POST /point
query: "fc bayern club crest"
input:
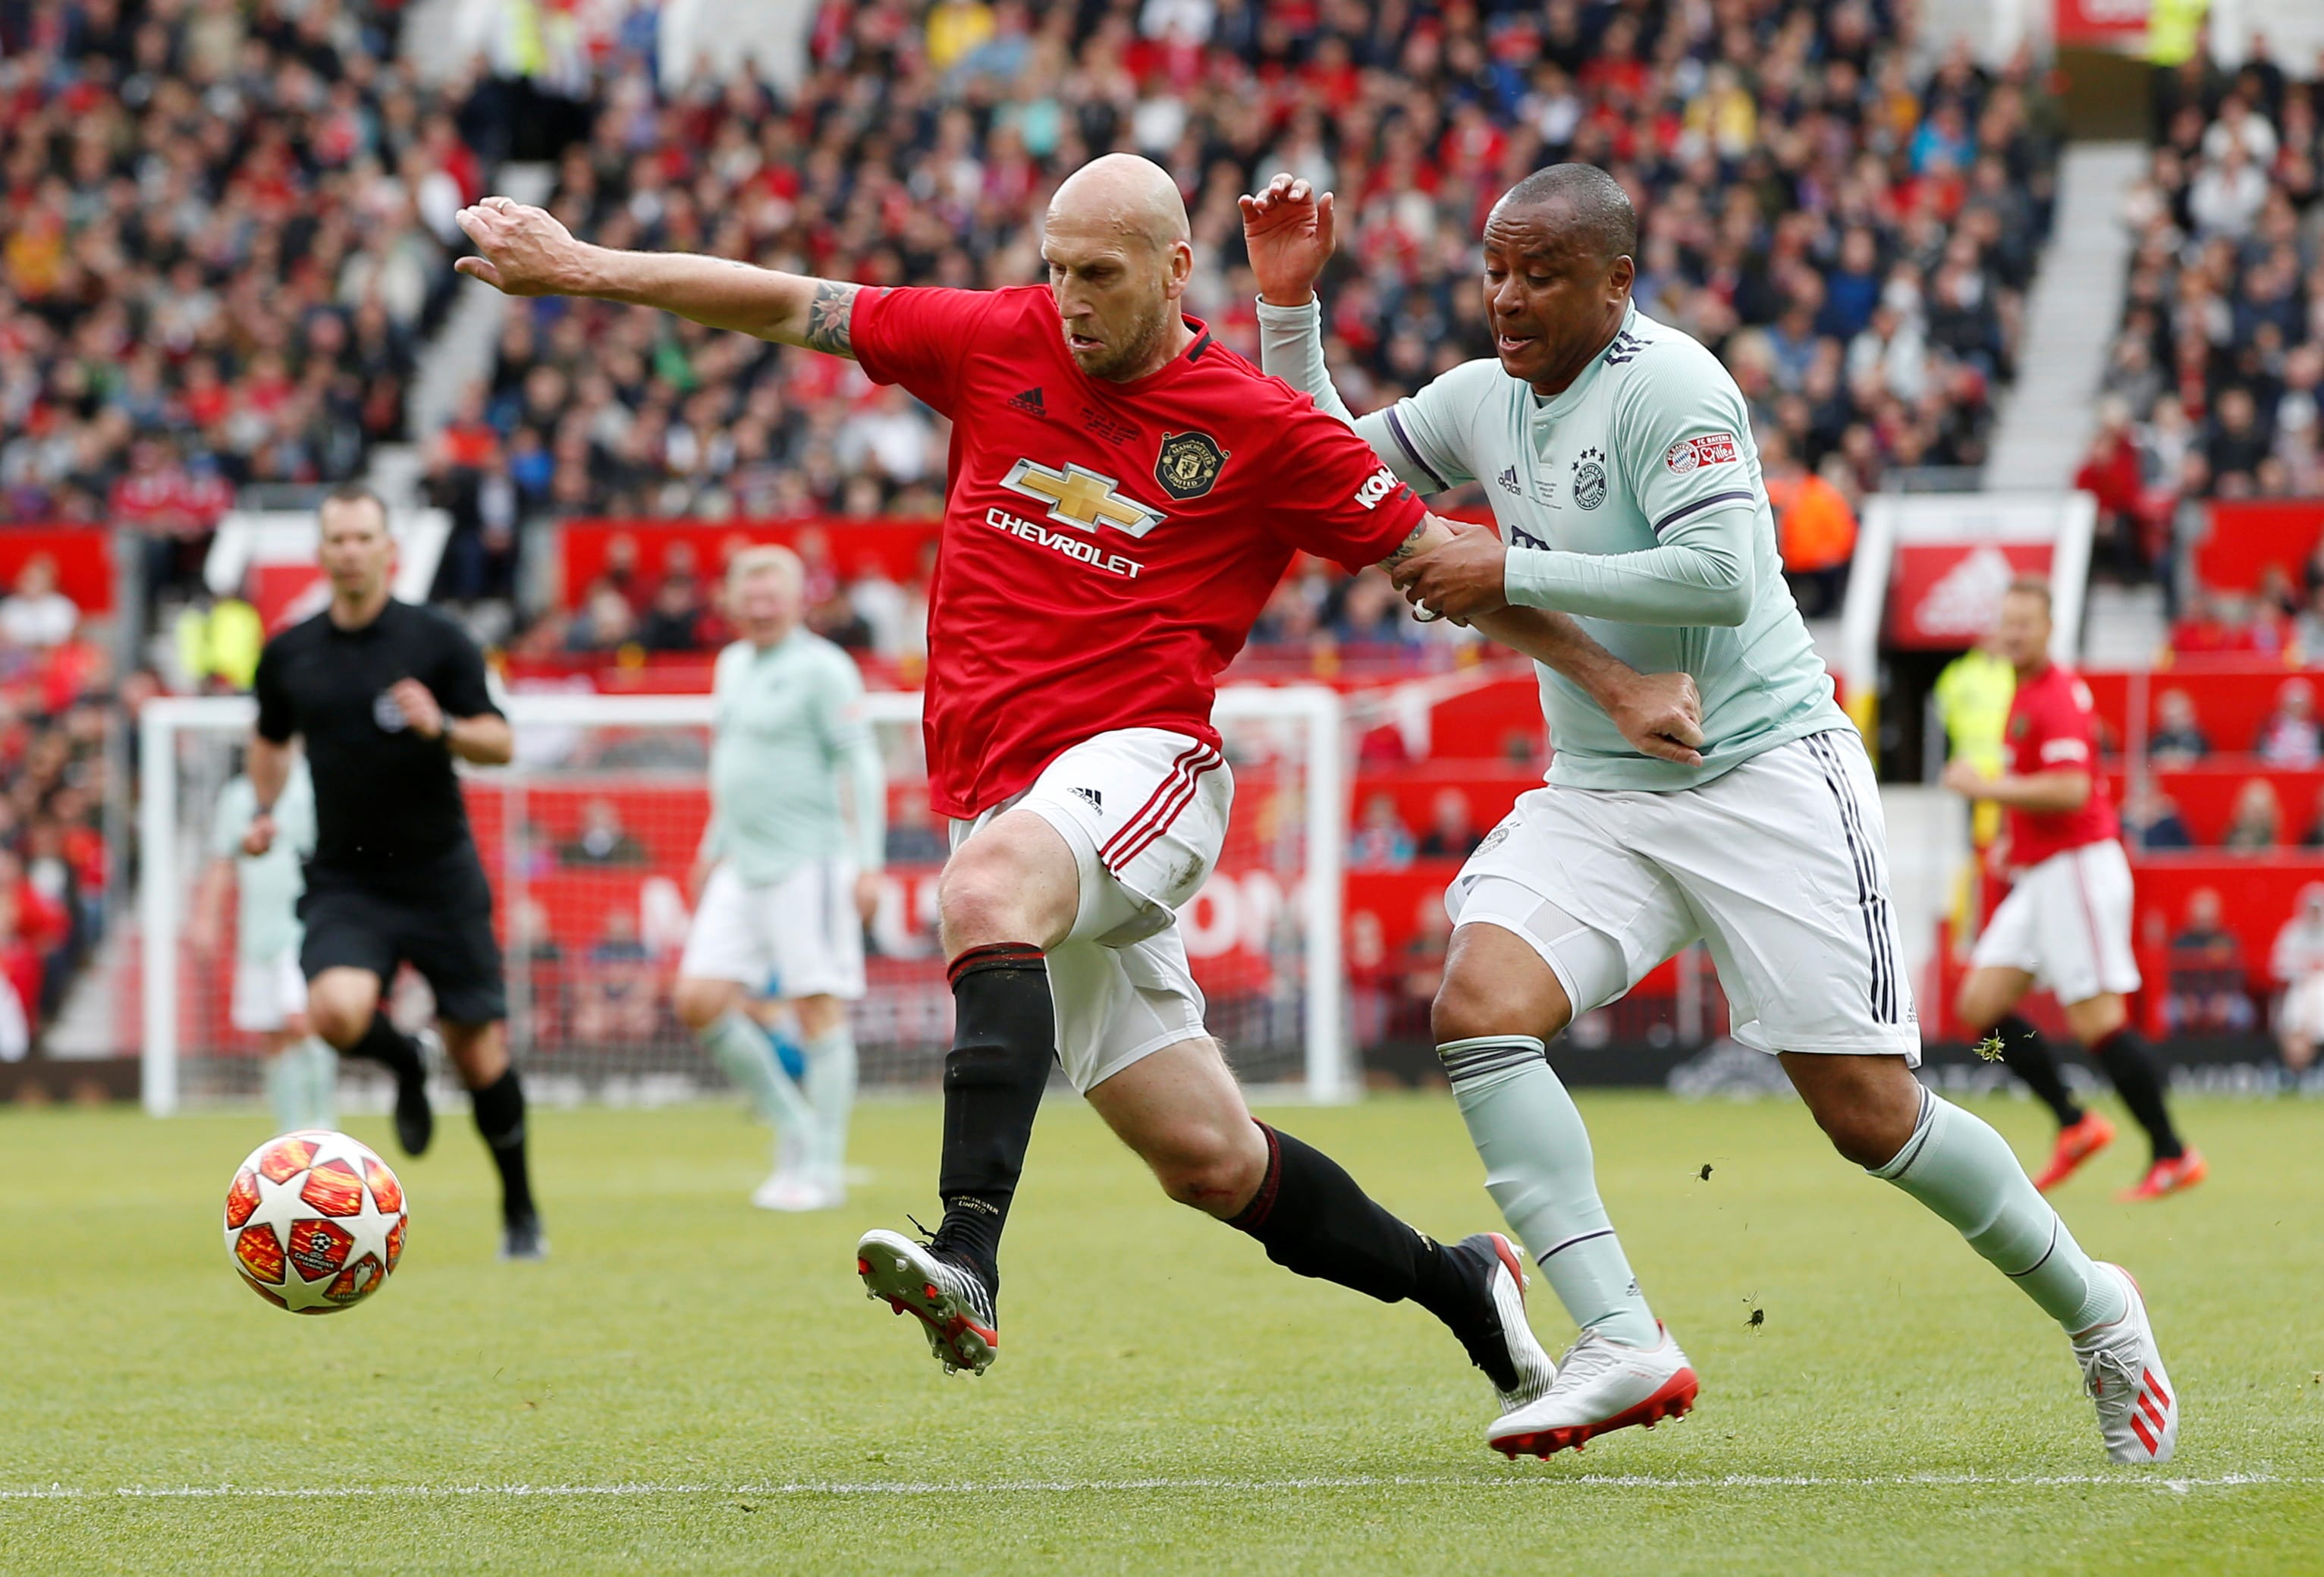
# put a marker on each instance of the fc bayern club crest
(1590, 478)
(1189, 464)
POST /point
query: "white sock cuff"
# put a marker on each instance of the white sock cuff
(1922, 1126)
(1481, 1055)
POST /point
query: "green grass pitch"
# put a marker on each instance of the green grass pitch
(691, 1385)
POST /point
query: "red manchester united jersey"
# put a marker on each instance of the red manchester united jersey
(2052, 727)
(1106, 546)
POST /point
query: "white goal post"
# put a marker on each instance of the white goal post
(1274, 918)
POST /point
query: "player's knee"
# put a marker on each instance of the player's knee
(1201, 1165)
(979, 900)
(1864, 1106)
(700, 1003)
(1469, 1006)
(340, 1014)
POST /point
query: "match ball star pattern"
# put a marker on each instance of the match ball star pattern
(315, 1221)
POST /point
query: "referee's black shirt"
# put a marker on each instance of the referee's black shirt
(387, 803)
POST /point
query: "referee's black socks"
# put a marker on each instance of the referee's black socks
(500, 1119)
(1003, 1044)
(391, 1047)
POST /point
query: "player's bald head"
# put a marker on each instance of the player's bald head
(1583, 201)
(1118, 252)
(1124, 195)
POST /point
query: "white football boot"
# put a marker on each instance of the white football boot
(1601, 1385)
(2139, 1412)
(950, 1300)
(799, 1192)
(1513, 1359)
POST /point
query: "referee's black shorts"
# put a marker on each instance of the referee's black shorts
(440, 923)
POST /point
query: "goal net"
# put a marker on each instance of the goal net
(589, 840)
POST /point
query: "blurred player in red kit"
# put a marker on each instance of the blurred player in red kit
(2066, 922)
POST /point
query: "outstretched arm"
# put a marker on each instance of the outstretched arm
(1661, 715)
(524, 252)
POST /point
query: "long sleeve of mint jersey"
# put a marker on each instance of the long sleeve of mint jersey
(1701, 573)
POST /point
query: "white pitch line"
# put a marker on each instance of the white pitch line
(1142, 1486)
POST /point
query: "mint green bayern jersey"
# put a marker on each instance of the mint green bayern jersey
(789, 722)
(1631, 500)
(267, 886)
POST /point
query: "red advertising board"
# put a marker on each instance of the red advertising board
(849, 547)
(2249, 534)
(2104, 24)
(83, 555)
(1943, 595)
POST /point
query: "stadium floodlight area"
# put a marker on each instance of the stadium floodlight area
(589, 838)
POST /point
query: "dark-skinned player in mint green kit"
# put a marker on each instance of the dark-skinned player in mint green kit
(1618, 458)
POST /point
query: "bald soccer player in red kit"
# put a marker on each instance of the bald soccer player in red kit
(1123, 493)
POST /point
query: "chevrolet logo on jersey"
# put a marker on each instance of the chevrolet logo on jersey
(1081, 498)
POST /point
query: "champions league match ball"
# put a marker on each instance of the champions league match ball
(315, 1221)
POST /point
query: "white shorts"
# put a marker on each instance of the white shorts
(1781, 866)
(801, 936)
(2067, 924)
(2301, 1013)
(1145, 812)
(267, 992)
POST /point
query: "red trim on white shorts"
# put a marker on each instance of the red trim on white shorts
(1162, 807)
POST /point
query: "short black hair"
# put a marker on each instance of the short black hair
(1599, 205)
(354, 493)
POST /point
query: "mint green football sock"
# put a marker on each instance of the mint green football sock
(286, 1088)
(831, 1090)
(1956, 1166)
(322, 1080)
(742, 1048)
(1539, 1170)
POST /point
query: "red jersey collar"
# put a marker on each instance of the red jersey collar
(1167, 372)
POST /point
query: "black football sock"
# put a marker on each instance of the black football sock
(384, 1043)
(1313, 1220)
(1004, 1041)
(2028, 1056)
(2123, 1057)
(500, 1119)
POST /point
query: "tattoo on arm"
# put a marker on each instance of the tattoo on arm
(1409, 547)
(827, 318)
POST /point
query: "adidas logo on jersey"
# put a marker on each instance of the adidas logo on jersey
(1030, 401)
(1096, 800)
(1508, 479)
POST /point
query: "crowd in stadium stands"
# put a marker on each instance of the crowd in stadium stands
(54, 686)
(224, 226)
(1853, 234)
(2214, 381)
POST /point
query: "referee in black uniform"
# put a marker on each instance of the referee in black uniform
(385, 694)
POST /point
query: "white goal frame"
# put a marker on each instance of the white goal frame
(1329, 1066)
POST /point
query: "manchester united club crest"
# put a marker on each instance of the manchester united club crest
(1189, 464)
(1590, 478)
